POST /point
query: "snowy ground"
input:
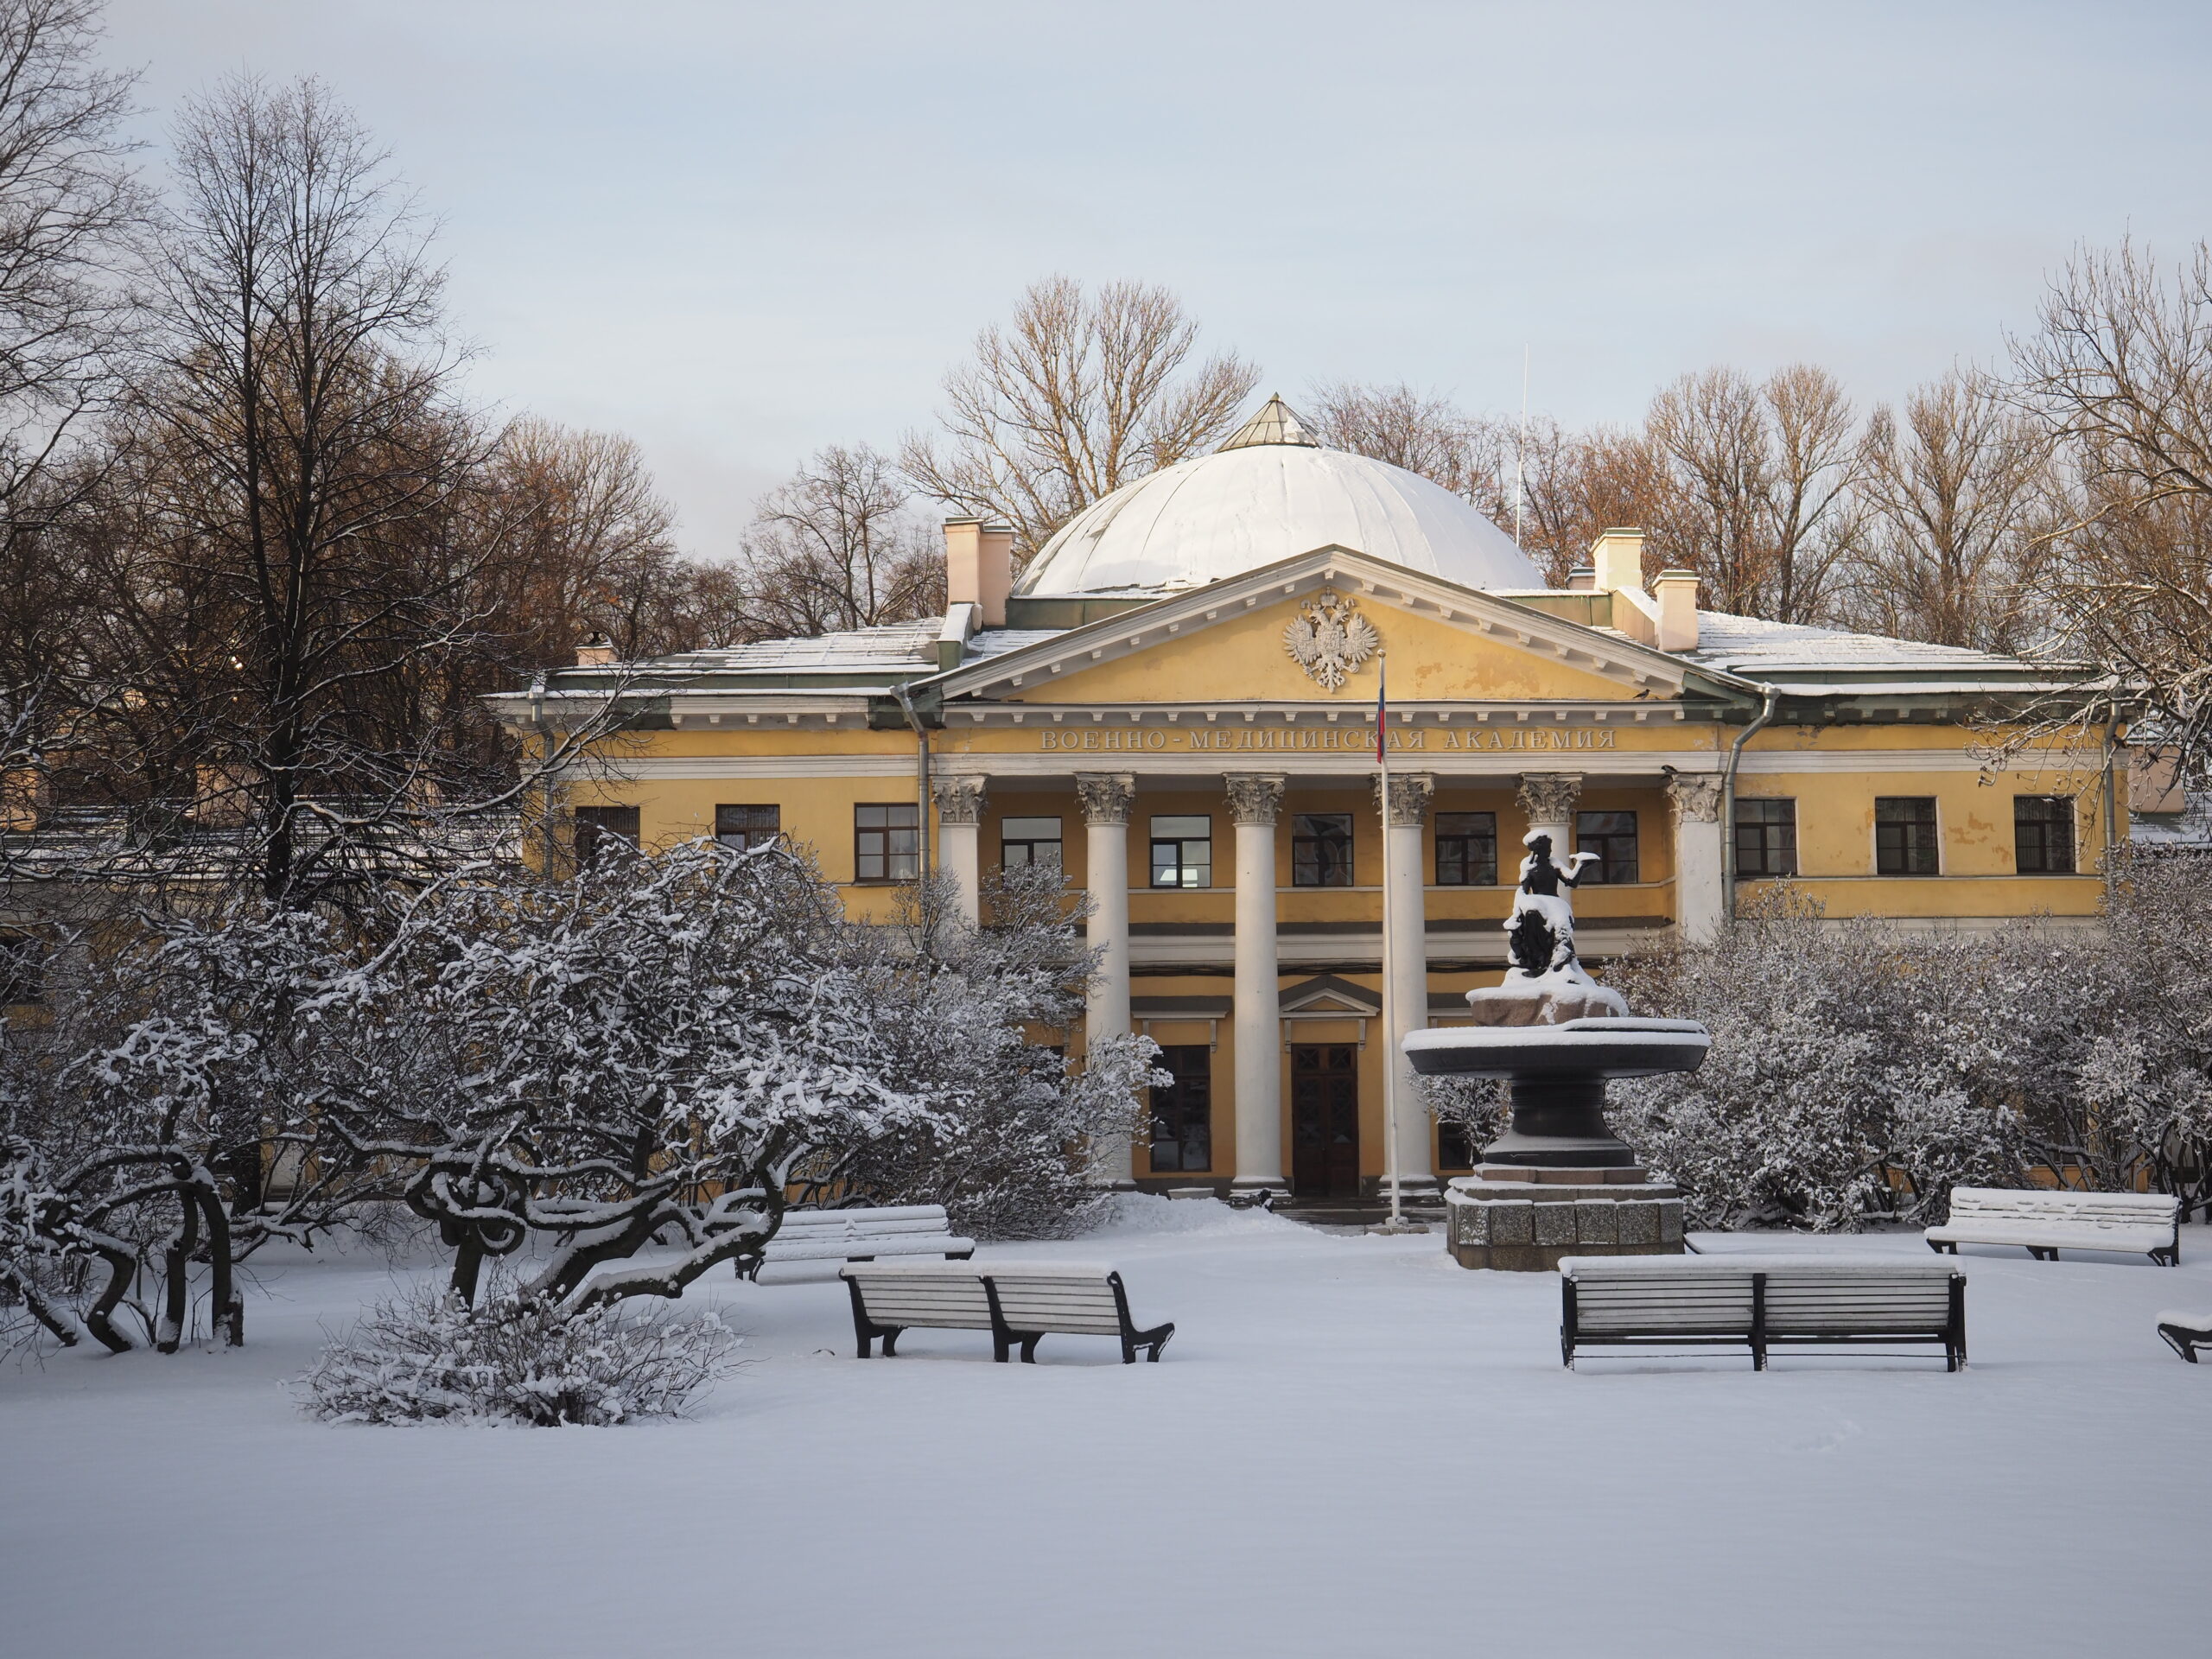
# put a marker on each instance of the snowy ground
(1352, 1445)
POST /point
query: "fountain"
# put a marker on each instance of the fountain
(1558, 1182)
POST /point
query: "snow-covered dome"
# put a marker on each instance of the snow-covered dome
(1268, 493)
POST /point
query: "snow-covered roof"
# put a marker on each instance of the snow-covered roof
(899, 645)
(1808, 660)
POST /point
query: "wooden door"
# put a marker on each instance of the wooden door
(1324, 1121)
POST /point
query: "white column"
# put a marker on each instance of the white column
(1255, 802)
(1106, 799)
(1407, 970)
(1701, 872)
(959, 820)
(1548, 798)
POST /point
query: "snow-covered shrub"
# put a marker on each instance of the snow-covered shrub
(588, 1061)
(175, 1057)
(970, 1021)
(428, 1357)
(1475, 1107)
(1841, 1087)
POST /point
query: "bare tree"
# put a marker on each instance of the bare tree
(290, 594)
(582, 544)
(836, 546)
(1076, 396)
(1762, 478)
(1423, 432)
(1959, 494)
(2120, 370)
(67, 198)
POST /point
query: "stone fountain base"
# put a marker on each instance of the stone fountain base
(1523, 1218)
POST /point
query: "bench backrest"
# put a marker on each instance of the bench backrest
(1714, 1298)
(889, 1222)
(1081, 1303)
(1691, 1304)
(2033, 1205)
(1856, 1302)
(953, 1298)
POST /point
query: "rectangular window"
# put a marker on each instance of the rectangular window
(2043, 834)
(1182, 1113)
(1453, 1149)
(604, 831)
(1320, 849)
(22, 968)
(1611, 835)
(887, 842)
(1766, 838)
(1904, 835)
(1466, 849)
(745, 828)
(1029, 841)
(1182, 852)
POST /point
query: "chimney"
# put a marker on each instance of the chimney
(1618, 556)
(979, 566)
(1583, 579)
(1677, 592)
(597, 651)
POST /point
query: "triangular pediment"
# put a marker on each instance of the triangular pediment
(1325, 993)
(1323, 628)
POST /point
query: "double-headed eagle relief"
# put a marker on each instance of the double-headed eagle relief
(1330, 638)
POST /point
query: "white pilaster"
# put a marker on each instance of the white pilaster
(959, 820)
(1701, 868)
(1255, 802)
(1106, 799)
(1403, 815)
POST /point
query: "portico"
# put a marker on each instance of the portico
(1216, 892)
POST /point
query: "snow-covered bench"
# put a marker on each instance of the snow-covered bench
(2043, 1222)
(843, 1235)
(2186, 1333)
(1760, 1302)
(1015, 1304)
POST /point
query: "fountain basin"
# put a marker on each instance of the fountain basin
(1590, 1049)
(1557, 1076)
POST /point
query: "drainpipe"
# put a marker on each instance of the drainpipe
(544, 748)
(921, 776)
(2112, 788)
(1728, 801)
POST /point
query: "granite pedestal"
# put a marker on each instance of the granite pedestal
(1523, 1217)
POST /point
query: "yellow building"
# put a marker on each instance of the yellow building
(1177, 701)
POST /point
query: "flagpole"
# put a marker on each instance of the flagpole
(1390, 996)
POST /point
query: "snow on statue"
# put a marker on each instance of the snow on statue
(1540, 936)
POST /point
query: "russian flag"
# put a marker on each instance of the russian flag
(1382, 709)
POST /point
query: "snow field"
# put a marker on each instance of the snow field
(1351, 1445)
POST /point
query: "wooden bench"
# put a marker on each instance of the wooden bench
(2043, 1222)
(2186, 1333)
(843, 1235)
(1760, 1302)
(1016, 1305)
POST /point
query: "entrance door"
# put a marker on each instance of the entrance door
(1324, 1121)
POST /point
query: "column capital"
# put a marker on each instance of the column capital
(1106, 795)
(1549, 796)
(959, 796)
(1696, 796)
(1409, 796)
(1254, 797)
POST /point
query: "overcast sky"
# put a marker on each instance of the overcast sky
(738, 232)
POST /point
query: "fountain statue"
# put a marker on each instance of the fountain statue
(1558, 1182)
